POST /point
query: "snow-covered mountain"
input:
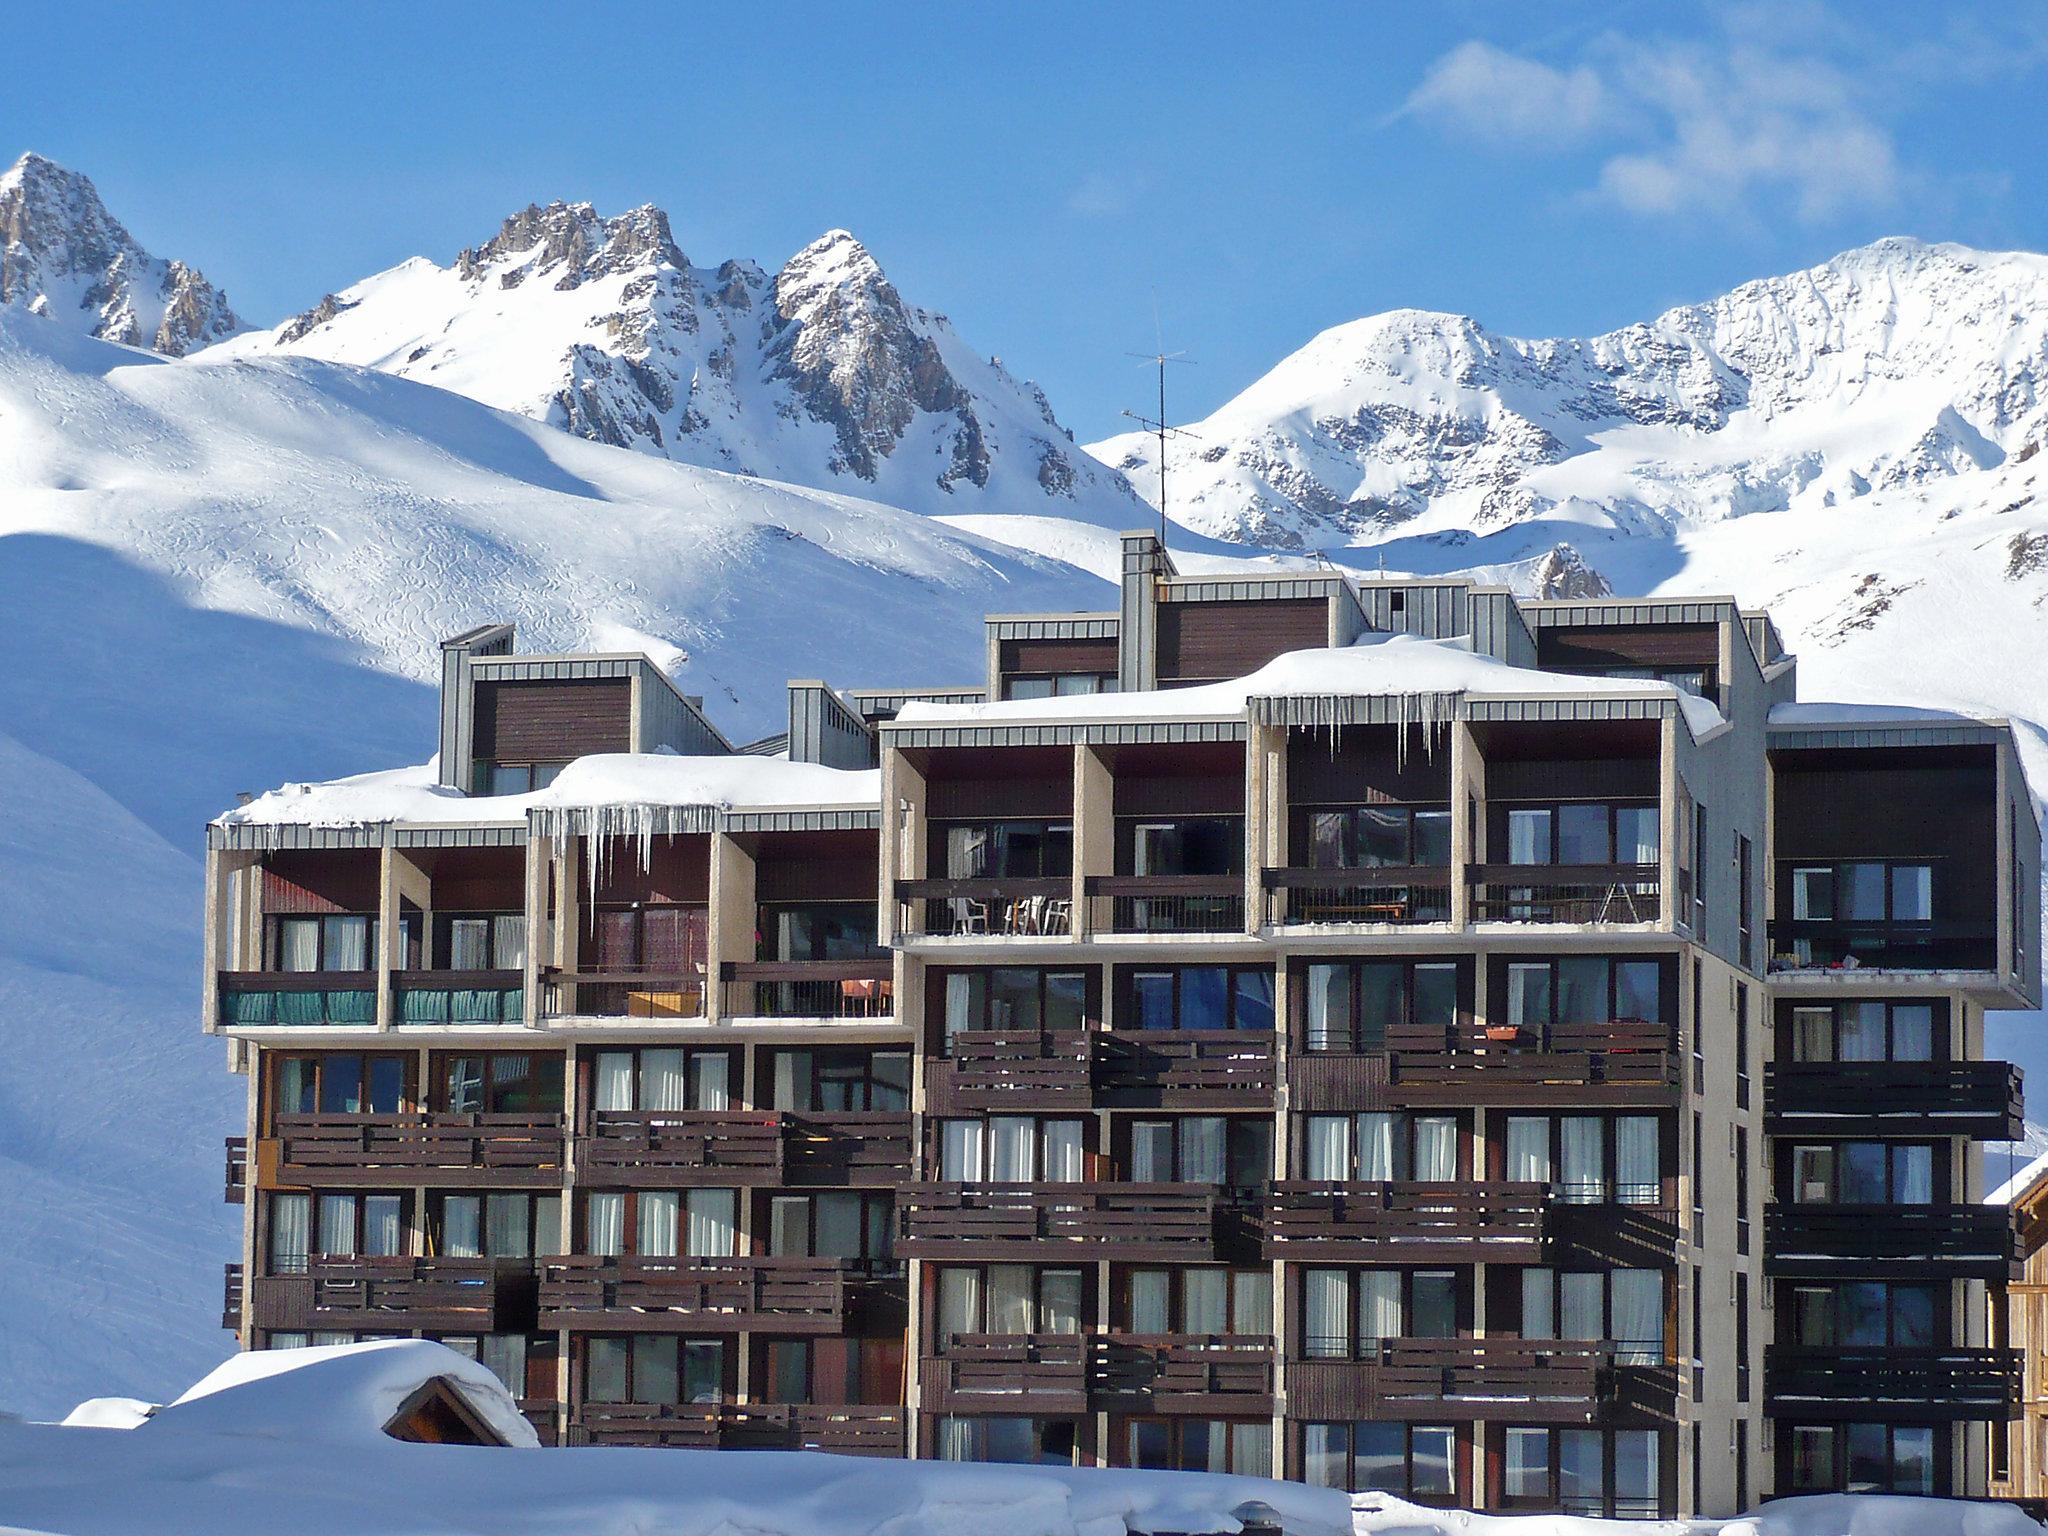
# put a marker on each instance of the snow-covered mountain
(63, 255)
(1897, 366)
(819, 374)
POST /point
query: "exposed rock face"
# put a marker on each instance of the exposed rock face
(1564, 574)
(820, 374)
(63, 255)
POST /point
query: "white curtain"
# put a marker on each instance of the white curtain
(1636, 1174)
(1061, 1154)
(659, 1212)
(1581, 1301)
(348, 944)
(547, 1226)
(792, 1079)
(712, 1219)
(960, 1154)
(614, 1080)
(1583, 1159)
(1204, 1300)
(789, 1227)
(1251, 1302)
(1326, 1307)
(469, 944)
(1379, 1305)
(1251, 1449)
(1329, 1147)
(1638, 1308)
(290, 1234)
(1059, 1301)
(1201, 1150)
(1913, 1175)
(504, 1355)
(711, 1081)
(1529, 996)
(961, 993)
(1376, 1146)
(1528, 1149)
(1436, 1148)
(1013, 1149)
(462, 1227)
(1528, 837)
(338, 1224)
(508, 940)
(1539, 1303)
(383, 1225)
(1152, 1152)
(606, 1214)
(956, 1438)
(1009, 1298)
(506, 1235)
(298, 943)
(1151, 1301)
(662, 1083)
(959, 1302)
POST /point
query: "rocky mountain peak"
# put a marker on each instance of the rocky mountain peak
(63, 255)
(571, 241)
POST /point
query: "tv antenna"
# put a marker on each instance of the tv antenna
(1159, 427)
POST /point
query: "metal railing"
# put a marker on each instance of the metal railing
(809, 989)
(1798, 946)
(1577, 894)
(1165, 903)
(1020, 907)
(1377, 894)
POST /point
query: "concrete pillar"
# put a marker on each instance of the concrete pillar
(732, 923)
(903, 834)
(1094, 829)
(1468, 818)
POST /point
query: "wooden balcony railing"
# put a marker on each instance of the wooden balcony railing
(1398, 894)
(1165, 903)
(599, 994)
(809, 989)
(1845, 947)
(676, 1148)
(845, 1430)
(1045, 1223)
(1911, 1385)
(542, 1414)
(1407, 1222)
(231, 1298)
(1622, 1061)
(1010, 907)
(236, 1181)
(1184, 1069)
(297, 999)
(433, 1295)
(683, 1295)
(1182, 1373)
(459, 997)
(1978, 1099)
(1038, 1373)
(1523, 1380)
(411, 1149)
(1890, 1241)
(862, 1151)
(1004, 1070)
(1577, 894)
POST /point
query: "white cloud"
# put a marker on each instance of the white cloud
(1488, 91)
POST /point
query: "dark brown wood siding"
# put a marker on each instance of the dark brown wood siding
(1630, 645)
(816, 866)
(1056, 656)
(678, 869)
(1202, 642)
(545, 721)
(331, 880)
(1361, 766)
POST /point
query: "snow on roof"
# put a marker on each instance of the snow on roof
(1375, 666)
(336, 1392)
(2015, 1187)
(1874, 716)
(414, 796)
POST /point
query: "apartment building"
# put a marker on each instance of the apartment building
(1383, 1033)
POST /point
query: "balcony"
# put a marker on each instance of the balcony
(1006, 1070)
(540, 1413)
(1577, 895)
(1400, 895)
(1190, 1069)
(1871, 1242)
(861, 1151)
(1907, 1385)
(1542, 1381)
(459, 997)
(1057, 1223)
(496, 1151)
(849, 1430)
(623, 994)
(678, 1148)
(236, 1181)
(1036, 1373)
(297, 999)
(1015, 907)
(1843, 948)
(809, 989)
(686, 1295)
(1407, 1223)
(1978, 1099)
(232, 1286)
(1165, 904)
(1623, 1062)
(1204, 1374)
(393, 1295)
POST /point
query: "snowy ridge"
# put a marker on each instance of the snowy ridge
(820, 373)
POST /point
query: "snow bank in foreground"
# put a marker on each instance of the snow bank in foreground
(292, 1439)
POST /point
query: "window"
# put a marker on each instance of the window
(1231, 1152)
(1015, 998)
(661, 1223)
(1872, 891)
(515, 778)
(1745, 900)
(1213, 997)
(1199, 1301)
(1863, 1173)
(1011, 1149)
(836, 1224)
(1868, 1031)
(1008, 1299)
(1574, 1154)
(512, 1225)
(655, 938)
(1623, 1307)
(339, 941)
(1582, 832)
(1017, 850)
(845, 1080)
(338, 1083)
(1351, 1313)
(1379, 836)
(334, 1225)
(1410, 1461)
(1741, 1046)
(656, 1369)
(1381, 1145)
(826, 930)
(479, 941)
(1862, 1458)
(1699, 889)
(525, 1363)
(1048, 685)
(1007, 1440)
(1187, 845)
(1581, 990)
(1741, 1189)
(1199, 1445)
(501, 1083)
(1867, 1314)
(664, 1078)
(1570, 1469)
(1350, 1005)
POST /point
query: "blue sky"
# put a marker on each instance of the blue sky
(1052, 176)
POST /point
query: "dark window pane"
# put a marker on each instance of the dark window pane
(1860, 1173)
(1432, 1450)
(1583, 835)
(1380, 1457)
(1382, 836)
(1913, 1316)
(1382, 1003)
(1066, 999)
(1254, 1000)
(1150, 1446)
(1152, 999)
(1433, 1305)
(1863, 901)
(1204, 997)
(387, 1085)
(1329, 844)
(341, 1085)
(1582, 991)
(1637, 994)
(1436, 996)
(1860, 1314)
(1013, 999)
(1432, 837)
